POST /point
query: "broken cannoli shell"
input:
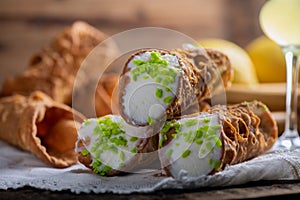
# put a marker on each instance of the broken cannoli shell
(41, 126)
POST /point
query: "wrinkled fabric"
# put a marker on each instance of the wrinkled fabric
(19, 169)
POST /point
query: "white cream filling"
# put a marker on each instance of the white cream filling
(140, 101)
(108, 157)
(198, 162)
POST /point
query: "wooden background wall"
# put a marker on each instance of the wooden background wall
(27, 26)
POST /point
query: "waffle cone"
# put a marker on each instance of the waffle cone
(41, 126)
(53, 69)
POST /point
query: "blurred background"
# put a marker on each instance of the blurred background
(259, 66)
(27, 26)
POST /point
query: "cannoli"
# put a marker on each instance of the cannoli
(53, 70)
(110, 146)
(205, 143)
(158, 84)
(41, 126)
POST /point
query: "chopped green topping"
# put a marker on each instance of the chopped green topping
(166, 128)
(188, 137)
(159, 93)
(138, 62)
(84, 152)
(133, 139)
(102, 172)
(177, 144)
(191, 122)
(218, 142)
(158, 79)
(265, 107)
(105, 170)
(169, 153)
(145, 77)
(205, 120)
(134, 150)
(154, 68)
(110, 136)
(122, 156)
(186, 153)
(202, 151)
(96, 165)
(87, 122)
(120, 141)
(134, 77)
(210, 162)
(168, 99)
(114, 149)
(168, 89)
(199, 141)
(217, 164)
(204, 129)
(150, 120)
(121, 164)
(198, 134)
(209, 146)
(160, 143)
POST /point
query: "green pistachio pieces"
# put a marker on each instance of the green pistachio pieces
(186, 153)
(191, 122)
(159, 93)
(169, 153)
(168, 99)
(84, 152)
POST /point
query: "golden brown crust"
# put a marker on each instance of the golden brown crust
(26, 121)
(53, 69)
(248, 131)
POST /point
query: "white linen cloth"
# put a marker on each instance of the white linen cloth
(19, 169)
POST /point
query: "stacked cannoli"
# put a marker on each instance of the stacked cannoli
(156, 88)
(159, 84)
(42, 126)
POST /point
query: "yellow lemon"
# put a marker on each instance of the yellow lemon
(244, 71)
(268, 60)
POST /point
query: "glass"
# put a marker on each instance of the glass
(280, 21)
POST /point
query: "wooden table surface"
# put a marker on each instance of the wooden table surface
(254, 190)
(27, 26)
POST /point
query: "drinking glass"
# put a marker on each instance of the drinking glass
(280, 21)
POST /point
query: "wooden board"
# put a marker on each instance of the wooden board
(272, 94)
(260, 189)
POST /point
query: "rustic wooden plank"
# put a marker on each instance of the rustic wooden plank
(192, 13)
(271, 189)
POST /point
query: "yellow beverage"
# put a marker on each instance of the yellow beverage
(280, 20)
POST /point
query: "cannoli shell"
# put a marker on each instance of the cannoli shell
(248, 130)
(53, 69)
(33, 124)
